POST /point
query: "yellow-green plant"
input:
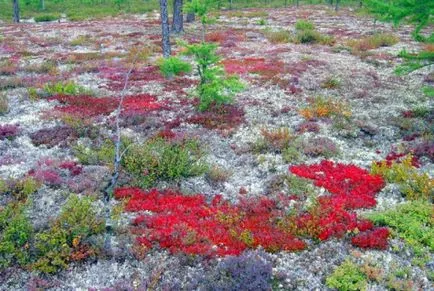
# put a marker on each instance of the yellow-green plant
(413, 185)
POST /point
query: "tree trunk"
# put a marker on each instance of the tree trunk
(165, 30)
(16, 11)
(178, 17)
(361, 3)
(42, 2)
(337, 5)
(190, 16)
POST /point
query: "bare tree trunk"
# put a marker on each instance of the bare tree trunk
(178, 17)
(165, 30)
(42, 2)
(16, 11)
(190, 16)
(337, 5)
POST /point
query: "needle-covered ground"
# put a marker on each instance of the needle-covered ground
(318, 175)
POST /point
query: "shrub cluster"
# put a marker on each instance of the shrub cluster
(402, 171)
(159, 159)
(306, 33)
(67, 239)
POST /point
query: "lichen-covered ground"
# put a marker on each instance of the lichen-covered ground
(324, 102)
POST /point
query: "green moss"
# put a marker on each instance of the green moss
(158, 159)
(347, 276)
(413, 222)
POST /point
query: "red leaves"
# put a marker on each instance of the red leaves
(188, 224)
(353, 186)
(140, 104)
(373, 239)
(83, 106)
(222, 118)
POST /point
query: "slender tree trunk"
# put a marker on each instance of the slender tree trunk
(337, 5)
(190, 16)
(42, 2)
(165, 30)
(178, 17)
(16, 11)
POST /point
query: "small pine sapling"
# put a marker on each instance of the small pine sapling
(215, 86)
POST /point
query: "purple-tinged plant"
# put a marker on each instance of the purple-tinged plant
(8, 131)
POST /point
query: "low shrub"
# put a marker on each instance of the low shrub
(318, 146)
(348, 276)
(160, 159)
(402, 171)
(248, 271)
(304, 25)
(58, 135)
(321, 107)
(413, 222)
(67, 239)
(331, 83)
(373, 42)
(173, 66)
(8, 131)
(46, 18)
(4, 104)
(312, 36)
(15, 235)
(66, 88)
(224, 118)
(275, 37)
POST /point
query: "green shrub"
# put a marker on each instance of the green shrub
(173, 66)
(25, 187)
(4, 104)
(158, 159)
(15, 234)
(68, 237)
(214, 87)
(373, 42)
(291, 154)
(46, 18)
(280, 36)
(346, 277)
(261, 21)
(66, 88)
(313, 36)
(412, 184)
(413, 222)
(304, 25)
